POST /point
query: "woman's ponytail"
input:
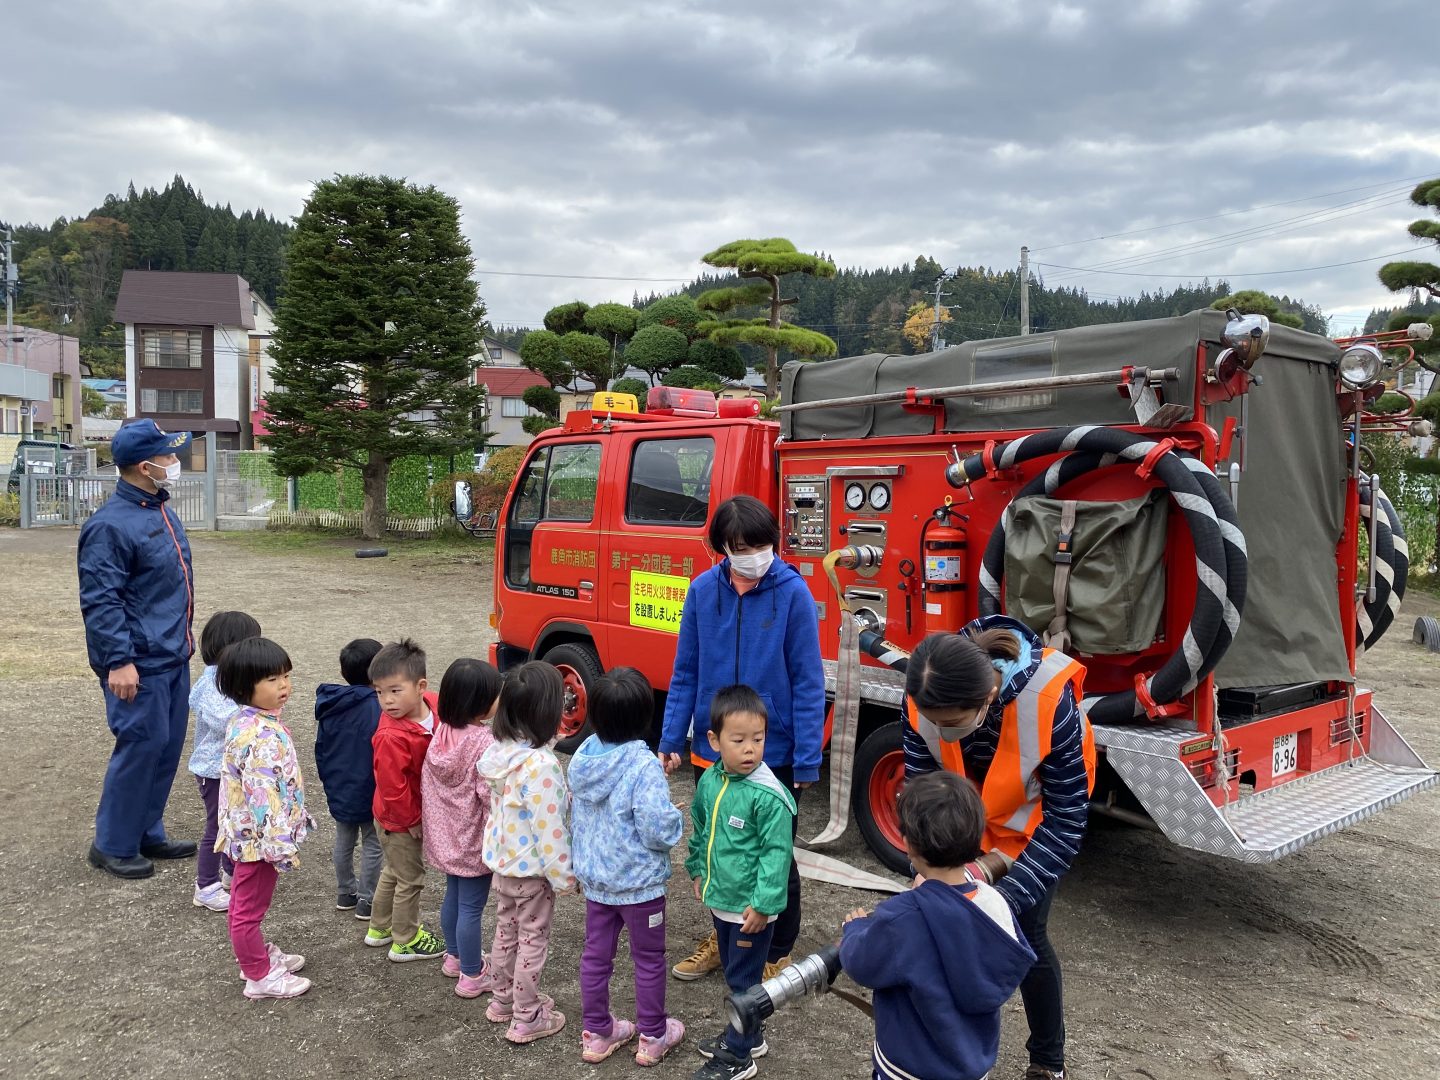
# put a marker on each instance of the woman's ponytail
(997, 643)
(949, 671)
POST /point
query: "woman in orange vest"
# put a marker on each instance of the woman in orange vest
(993, 704)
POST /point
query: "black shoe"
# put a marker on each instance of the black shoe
(131, 866)
(726, 1066)
(1040, 1072)
(707, 1047)
(362, 909)
(346, 902)
(169, 849)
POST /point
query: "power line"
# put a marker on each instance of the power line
(1228, 213)
(577, 277)
(1230, 275)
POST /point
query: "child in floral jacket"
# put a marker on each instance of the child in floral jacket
(262, 817)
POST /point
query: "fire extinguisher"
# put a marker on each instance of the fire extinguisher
(942, 545)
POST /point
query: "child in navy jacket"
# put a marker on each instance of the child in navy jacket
(943, 957)
(345, 719)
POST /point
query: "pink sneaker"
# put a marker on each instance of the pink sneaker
(595, 1048)
(548, 1021)
(279, 983)
(653, 1051)
(502, 1012)
(468, 987)
(451, 968)
(291, 962)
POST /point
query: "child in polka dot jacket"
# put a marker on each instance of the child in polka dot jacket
(527, 845)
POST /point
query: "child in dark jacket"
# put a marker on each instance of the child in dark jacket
(345, 721)
(943, 957)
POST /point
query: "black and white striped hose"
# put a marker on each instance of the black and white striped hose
(1220, 556)
(1392, 568)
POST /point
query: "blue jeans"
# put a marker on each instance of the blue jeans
(743, 957)
(149, 737)
(460, 919)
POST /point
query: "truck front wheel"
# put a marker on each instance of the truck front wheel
(879, 775)
(579, 667)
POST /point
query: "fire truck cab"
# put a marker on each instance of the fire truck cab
(1180, 504)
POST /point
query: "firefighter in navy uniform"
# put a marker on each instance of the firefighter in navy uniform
(137, 599)
(993, 704)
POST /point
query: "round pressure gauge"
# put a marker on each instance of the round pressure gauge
(854, 496)
(879, 497)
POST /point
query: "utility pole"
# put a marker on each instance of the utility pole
(1024, 291)
(11, 278)
(935, 326)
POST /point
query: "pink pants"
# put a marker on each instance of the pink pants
(250, 891)
(522, 940)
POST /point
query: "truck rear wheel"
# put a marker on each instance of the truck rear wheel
(879, 775)
(579, 667)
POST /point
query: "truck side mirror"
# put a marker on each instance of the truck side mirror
(463, 503)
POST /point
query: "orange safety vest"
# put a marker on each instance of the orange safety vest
(1011, 790)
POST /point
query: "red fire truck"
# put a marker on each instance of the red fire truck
(1201, 480)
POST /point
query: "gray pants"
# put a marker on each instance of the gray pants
(347, 835)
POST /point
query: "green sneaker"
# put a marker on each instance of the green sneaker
(423, 946)
(376, 938)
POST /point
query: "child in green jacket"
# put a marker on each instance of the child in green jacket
(739, 861)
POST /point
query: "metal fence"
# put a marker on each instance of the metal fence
(246, 485)
(63, 487)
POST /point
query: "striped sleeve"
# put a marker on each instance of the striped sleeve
(918, 759)
(1064, 803)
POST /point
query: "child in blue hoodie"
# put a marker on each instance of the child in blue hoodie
(943, 957)
(622, 828)
(345, 719)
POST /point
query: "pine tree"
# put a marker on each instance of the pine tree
(376, 328)
(1416, 276)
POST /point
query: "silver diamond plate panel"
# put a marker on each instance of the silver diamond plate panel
(881, 686)
(1268, 825)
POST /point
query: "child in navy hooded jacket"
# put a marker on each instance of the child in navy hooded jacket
(622, 827)
(345, 720)
(943, 957)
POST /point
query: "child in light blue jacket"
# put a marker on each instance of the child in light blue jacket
(622, 828)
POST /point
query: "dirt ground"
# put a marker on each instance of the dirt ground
(1176, 964)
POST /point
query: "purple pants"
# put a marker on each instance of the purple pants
(208, 861)
(603, 923)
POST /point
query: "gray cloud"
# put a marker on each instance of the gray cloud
(628, 139)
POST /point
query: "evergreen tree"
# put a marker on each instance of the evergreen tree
(374, 334)
(766, 261)
(1418, 276)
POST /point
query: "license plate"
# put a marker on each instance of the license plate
(1285, 755)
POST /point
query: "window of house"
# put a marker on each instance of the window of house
(169, 402)
(513, 407)
(170, 348)
(57, 387)
(12, 421)
(194, 459)
(496, 352)
(670, 482)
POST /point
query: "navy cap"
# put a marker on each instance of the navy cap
(143, 439)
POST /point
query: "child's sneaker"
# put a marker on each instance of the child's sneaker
(705, 959)
(362, 909)
(225, 879)
(211, 897)
(548, 1021)
(279, 983)
(727, 1066)
(423, 946)
(595, 1048)
(376, 938)
(707, 1047)
(451, 968)
(653, 1051)
(484, 983)
(291, 962)
(502, 1012)
(346, 902)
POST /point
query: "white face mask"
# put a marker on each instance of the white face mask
(172, 473)
(754, 565)
(957, 732)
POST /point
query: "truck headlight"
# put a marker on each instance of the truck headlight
(1360, 366)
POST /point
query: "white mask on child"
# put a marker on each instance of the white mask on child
(754, 565)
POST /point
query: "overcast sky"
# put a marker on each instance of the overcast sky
(624, 139)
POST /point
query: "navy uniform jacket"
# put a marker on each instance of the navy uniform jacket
(136, 587)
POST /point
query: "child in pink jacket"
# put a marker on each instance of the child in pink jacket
(455, 804)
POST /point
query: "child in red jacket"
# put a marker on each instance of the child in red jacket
(400, 742)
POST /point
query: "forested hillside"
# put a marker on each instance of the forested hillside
(70, 270)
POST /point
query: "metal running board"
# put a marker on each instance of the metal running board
(1267, 825)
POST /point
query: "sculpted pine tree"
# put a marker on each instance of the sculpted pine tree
(374, 335)
(765, 261)
(1418, 276)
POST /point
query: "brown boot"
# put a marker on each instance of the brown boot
(704, 960)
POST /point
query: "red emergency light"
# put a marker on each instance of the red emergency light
(678, 401)
(739, 408)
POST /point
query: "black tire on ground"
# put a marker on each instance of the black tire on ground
(586, 661)
(372, 553)
(874, 752)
